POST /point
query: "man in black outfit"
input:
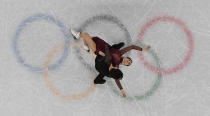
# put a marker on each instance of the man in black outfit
(102, 64)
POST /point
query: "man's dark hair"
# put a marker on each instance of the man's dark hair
(116, 74)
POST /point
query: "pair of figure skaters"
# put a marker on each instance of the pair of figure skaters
(107, 57)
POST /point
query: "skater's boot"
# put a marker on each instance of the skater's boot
(118, 46)
(76, 36)
(99, 81)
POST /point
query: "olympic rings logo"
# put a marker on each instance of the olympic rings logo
(157, 69)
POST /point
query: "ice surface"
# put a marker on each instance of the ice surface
(185, 93)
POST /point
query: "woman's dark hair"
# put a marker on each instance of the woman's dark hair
(130, 60)
(116, 74)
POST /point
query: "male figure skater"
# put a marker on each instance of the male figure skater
(97, 46)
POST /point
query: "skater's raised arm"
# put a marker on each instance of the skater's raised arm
(120, 87)
(124, 50)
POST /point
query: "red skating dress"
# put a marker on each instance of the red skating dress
(115, 53)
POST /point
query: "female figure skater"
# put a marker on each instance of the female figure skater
(97, 45)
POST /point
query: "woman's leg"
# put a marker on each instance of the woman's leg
(87, 39)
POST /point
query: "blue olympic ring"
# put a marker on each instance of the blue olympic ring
(39, 17)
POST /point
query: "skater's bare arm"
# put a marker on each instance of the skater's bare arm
(120, 87)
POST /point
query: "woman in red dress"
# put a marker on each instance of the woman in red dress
(97, 46)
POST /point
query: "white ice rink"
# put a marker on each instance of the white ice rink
(24, 49)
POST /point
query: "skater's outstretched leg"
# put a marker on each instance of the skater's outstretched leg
(87, 40)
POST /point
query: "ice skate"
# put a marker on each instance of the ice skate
(76, 36)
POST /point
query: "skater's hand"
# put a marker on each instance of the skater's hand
(101, 53)
(146, 49)
(112, 67)
(123, 93)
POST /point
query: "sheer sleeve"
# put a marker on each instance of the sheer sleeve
(107, 55)
(124, 50)
(118, 84)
